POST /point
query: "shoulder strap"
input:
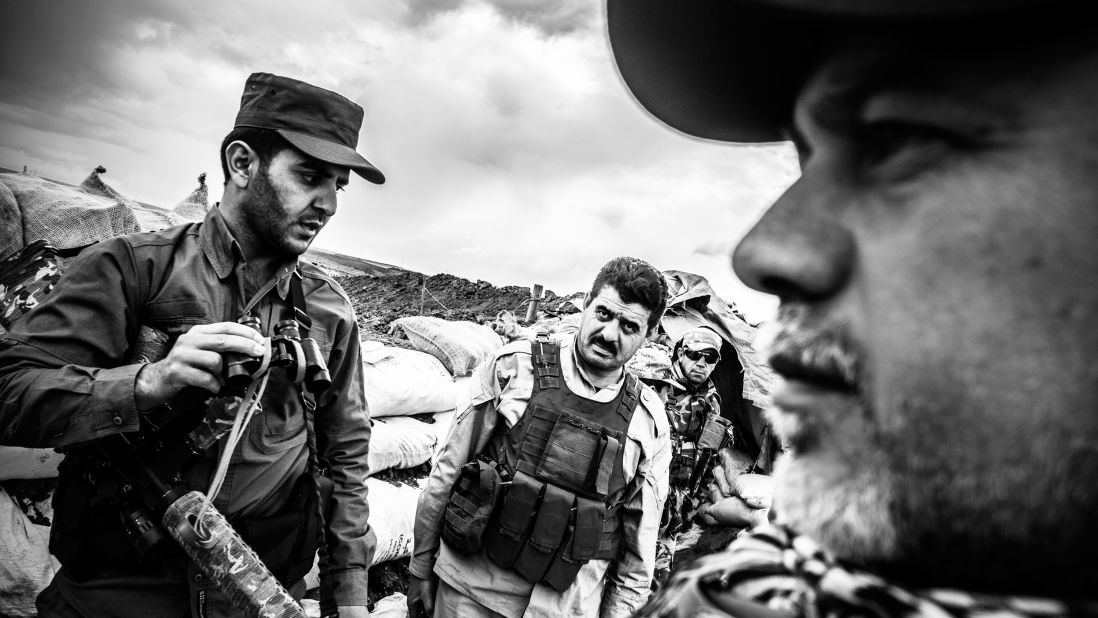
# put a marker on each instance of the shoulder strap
(631, 394)
(545, 356)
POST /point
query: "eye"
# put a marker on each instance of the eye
(629, 328)
(899, 142)
(602, 314)
(310, 179)
(341, 187)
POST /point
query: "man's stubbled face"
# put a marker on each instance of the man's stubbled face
(938, 336)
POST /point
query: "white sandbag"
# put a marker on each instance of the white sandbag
(402, 382)
(400, 442)
(460, 345)
(17, 462)
(393, 606)
(26, 566)
(392, 517)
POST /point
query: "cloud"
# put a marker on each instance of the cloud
(713, 248)
(512, 151)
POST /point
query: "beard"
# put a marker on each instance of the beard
(840, 496)
(266, 217)
(933, 489)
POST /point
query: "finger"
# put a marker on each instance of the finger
(185, 376)
(222, 343)
(227, 328)
(722, 480)
(427, 598)
(202, 360)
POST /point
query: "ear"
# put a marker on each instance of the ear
(243, 163)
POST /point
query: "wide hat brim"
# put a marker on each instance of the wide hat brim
(336, 154)
(730, 70)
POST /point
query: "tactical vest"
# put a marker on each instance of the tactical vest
(563, 462)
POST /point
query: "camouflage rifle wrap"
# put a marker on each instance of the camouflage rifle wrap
(204, 534)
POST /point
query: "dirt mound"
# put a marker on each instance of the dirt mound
(380, 300)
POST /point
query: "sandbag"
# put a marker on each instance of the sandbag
(403, 382)
(11, 222)
(17, 462)
(393, 606)
(26, 566)
(460, 345)
(392, 518)
(66, 217)
(400, 442)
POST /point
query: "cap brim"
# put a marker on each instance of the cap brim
(702, 348)
(730, 70)
(336, 154)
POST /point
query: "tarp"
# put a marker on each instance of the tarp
(743, 379)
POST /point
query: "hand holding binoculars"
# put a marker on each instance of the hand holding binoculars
(299, 358)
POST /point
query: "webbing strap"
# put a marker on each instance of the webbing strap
(328, 607)
(609, 448)
(297, 299)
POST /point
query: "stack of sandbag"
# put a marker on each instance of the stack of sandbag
(400, 384)
(459, 345)
(68, 217)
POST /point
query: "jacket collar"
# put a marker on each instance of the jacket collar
(225, 254)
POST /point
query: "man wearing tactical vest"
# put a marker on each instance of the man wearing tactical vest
(546, 499)
(698, 434)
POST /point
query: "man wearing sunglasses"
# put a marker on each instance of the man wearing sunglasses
(691, 401)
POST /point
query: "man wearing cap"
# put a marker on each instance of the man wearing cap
(70, 378)
(936, 268)
(691, 402)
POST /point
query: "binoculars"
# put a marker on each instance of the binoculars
(299, 358)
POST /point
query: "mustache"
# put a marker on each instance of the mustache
(604, 344)
(806, 348)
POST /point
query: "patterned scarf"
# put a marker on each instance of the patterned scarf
(770, 571)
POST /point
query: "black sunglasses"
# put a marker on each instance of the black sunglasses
(694, 355)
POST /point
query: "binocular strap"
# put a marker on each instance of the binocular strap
(240, 422)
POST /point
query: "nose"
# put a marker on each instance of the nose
(801, 249)
(327, 202)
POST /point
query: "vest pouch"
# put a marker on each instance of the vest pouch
(563, 569)
(550, 525)
(520, 504)
(588, 529)
(469, 509)
(682, 464)
(569, 456)
(610, 536)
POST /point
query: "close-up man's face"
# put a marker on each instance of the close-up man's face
(611, 330)
(696, 365)
(291, 199)
(938, 330)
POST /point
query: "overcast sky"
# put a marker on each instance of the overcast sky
(513, 152)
